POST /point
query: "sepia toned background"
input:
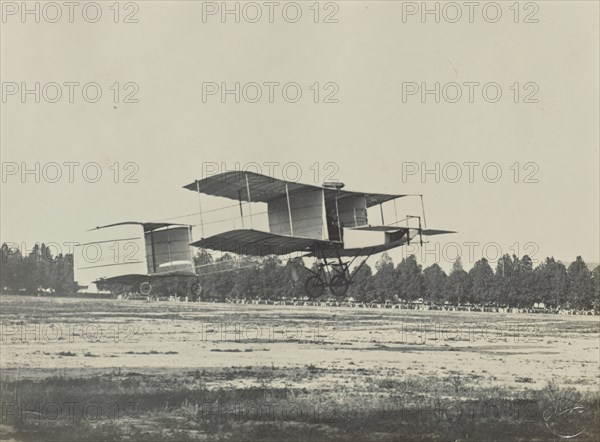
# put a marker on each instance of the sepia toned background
(371, 133)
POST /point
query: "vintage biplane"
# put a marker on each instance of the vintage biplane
(325, 222)
(135, 255)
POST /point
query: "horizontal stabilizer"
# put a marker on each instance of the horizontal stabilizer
(381, 228)
(431, 232)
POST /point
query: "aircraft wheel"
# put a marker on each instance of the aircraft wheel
(339, 285)
(314, 287)
(196, 289)
(145, 288)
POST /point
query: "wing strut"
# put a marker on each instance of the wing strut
(361, 264)
(337, 214)
(153, 252)
(287, 195)
(200, 208)
(423, 210)
(169, 245)
(249, 199)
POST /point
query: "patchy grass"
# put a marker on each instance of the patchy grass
(347, 374)
(134, 406)
(66, 353)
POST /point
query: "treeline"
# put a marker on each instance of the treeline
(515, 282)
(39, 270)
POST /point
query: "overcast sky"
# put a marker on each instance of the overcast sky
(378, 136)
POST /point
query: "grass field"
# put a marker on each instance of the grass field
(76, 369)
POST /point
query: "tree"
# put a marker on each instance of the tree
(409, 279)
(434, 280)
(245, 279)
(551, 282)
(202, 259)
(515, 281)
(527, 291)
(505, 281)
(362, 288)
(596, 288)
(62, 278)
(482, 282)
(11, 267)
(580, 290)
(384, 281)
(220, 278)
(32, 272)
(458, 284)
(293, 274)
(272, 277)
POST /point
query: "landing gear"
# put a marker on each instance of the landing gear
(196, 290)
(336, 276)
(315, 286)
(145, 288)
(339, 285)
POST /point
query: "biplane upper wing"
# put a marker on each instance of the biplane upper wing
(148, 227)
(237, 185)
(259, 243)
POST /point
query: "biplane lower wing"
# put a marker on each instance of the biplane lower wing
(135, 279)
(123, 279)
(258, 243)
(358, 251)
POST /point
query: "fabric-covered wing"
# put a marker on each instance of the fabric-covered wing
(232, 185)
(258, 243)
(135, 279)
(263, 188)
(428, 232)
(359, 251)
(148, 227)
(371, 199)
(394, 237)
(374, 199)
(131, 279)
(381, 228)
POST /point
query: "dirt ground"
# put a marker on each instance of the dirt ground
(365, 367)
